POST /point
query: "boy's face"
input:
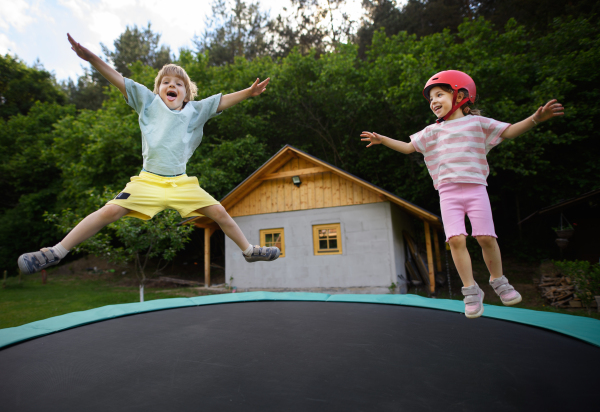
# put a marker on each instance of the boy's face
(172, 92)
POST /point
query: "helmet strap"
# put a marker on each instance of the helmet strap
(455, 107)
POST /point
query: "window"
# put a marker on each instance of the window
(327, 239)
(273, 237)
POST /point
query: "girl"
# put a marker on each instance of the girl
(455, 150)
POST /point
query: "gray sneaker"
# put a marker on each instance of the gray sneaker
(263, 253)
(35, 261)
(473, 301)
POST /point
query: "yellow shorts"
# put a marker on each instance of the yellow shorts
(148, 194)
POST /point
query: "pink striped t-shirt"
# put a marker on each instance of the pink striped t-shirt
(455, 150)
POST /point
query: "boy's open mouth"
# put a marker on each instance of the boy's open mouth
(171, 96)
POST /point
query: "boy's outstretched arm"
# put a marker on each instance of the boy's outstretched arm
(232, 99)
(397, 145)
(113, 76)
(543, 113)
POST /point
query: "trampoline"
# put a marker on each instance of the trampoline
(264, 351)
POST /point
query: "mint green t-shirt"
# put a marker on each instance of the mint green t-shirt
(169, 137)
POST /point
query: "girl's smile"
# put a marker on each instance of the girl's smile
(440, 101)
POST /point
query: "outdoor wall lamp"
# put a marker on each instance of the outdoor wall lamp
(296, 181)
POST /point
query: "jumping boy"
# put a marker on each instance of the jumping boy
(172, 127)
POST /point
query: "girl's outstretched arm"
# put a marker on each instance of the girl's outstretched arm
(113, 76)
(232, 99)
(397, 145)
(543, 113)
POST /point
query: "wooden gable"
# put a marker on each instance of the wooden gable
(270, 189)
(320, 188)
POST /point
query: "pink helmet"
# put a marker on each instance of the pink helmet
(456, 80)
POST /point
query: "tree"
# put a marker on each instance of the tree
(137, 45)
(235, 29)
(311, 24)
(426, 17)
(130, 240)
(22, 86)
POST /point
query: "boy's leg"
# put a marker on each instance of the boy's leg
(233, 231)
(92, 224)
(35, 261)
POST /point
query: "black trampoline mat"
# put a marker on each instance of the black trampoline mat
(300, 356)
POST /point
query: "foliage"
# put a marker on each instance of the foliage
(130, 239)
(426, 17)
(235, 29)
(21, 87)
(585, 276)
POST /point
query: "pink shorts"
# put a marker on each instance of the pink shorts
(471, 199)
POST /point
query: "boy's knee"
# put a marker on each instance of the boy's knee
(486, 241)
(219, 213)
(111, 213)
(456, 242)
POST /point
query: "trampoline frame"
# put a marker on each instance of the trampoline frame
(585, 329)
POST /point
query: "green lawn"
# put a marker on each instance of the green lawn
(29, 301)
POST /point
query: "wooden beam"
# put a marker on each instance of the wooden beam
(429, 257)
(299, 172)
(436, 244)
(207, 234)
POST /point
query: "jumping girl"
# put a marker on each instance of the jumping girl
(455, 150)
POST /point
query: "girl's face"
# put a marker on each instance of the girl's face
(172, 92)
(440, 101)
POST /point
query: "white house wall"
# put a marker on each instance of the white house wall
(369, 247)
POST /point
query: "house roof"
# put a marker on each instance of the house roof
(286, 154)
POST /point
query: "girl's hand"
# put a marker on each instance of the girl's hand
(257, 88)
(81, 51)
(548, 111)
(372, 138)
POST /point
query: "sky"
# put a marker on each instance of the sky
(36, 29)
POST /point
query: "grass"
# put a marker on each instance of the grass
(30, 300)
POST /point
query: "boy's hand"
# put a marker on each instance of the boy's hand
(372, 138)
(81, 51)
(257, 88)
(548, 111)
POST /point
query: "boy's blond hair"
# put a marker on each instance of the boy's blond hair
(191, 90)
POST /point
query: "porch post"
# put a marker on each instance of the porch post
(436, 245)
(429, 257)
(207, 233)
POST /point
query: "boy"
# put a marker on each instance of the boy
(171, 123)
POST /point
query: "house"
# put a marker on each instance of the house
(335, 230)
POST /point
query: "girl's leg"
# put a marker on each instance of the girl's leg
(462, 259)
(92, 224)
(491, 255)
(227, 224)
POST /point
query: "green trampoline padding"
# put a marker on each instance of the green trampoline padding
(586, 329)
